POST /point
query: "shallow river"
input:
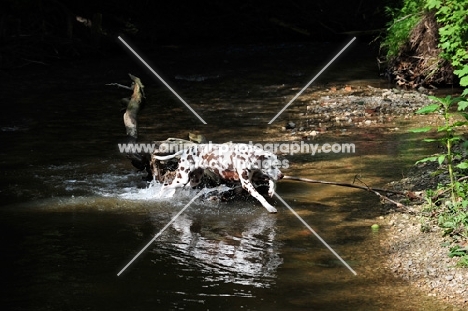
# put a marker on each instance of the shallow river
(74, 211)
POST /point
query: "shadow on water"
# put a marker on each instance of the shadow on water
(74, 212)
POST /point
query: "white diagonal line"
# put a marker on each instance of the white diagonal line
(308, 84)
(162, 80)
(318, 236)
(203, 191)
(157, 235)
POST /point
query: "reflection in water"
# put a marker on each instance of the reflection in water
(248, 257)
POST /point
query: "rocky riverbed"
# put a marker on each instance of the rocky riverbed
(419, 257)
(348, 109)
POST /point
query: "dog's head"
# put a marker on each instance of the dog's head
(269, 164)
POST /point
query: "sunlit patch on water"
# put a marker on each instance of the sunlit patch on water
(73, 180)
(152, 190)
(84, 179)
(116, 182)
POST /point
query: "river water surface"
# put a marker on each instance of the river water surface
(74, 211)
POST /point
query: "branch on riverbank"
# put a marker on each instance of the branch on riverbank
(408, 194)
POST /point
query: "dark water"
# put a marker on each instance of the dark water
(74, 211)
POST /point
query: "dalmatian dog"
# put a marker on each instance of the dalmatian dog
(231, 162)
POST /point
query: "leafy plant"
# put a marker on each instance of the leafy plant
(452, 215)
(453, 34)
(452, 18)
(457, 250)
(463, 262)
(450, 137)
(462, 252)
(402, 21)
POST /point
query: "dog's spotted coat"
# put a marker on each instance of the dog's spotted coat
(232, 162)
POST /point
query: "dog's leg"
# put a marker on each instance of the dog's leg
(271, 187)
(167, 192)
(182, 178)
(244, 177)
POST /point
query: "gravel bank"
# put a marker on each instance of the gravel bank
(348, 109)
(419, 257)
(422, 257)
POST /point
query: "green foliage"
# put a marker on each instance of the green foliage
(452, 121)
(453, 34)
(452, 214)
(399, 28)
(452, 17)
(458, 251)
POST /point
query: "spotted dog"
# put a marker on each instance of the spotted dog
(231, 162)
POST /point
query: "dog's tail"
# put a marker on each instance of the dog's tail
(162, 158)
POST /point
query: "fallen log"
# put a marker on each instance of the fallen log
(133, 107)
(159, 171)
(133, 104)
